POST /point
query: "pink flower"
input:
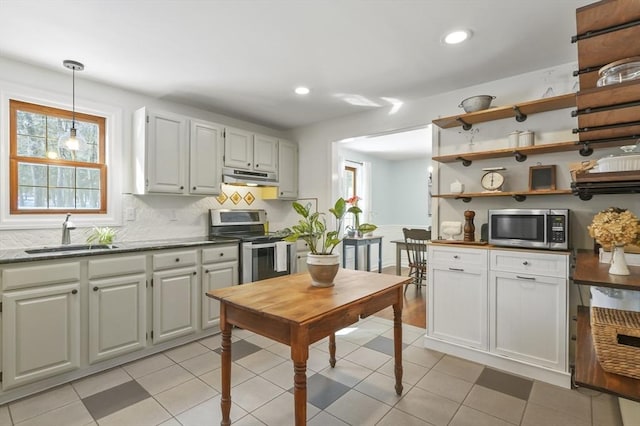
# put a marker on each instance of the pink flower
(353, 200)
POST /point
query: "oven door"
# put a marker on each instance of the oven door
(259, 262)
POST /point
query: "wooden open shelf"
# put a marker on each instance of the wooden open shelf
(518, 195)
(498, 113)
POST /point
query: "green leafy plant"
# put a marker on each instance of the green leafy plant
(101, 235)
(312, 227)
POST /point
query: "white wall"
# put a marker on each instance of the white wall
(157, 217)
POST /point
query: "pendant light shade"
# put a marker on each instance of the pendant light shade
(72, 141)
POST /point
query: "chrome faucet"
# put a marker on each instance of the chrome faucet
(67, 226)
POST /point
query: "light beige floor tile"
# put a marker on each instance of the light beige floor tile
(375, 327)
(358, 337)
(409, 336)
(606, 410)
(147, 412)
(185, 352)
(147, 365)
(428, 406)
(442, 384)
(101, 381)
(212, 342)
(343, 347)
(263, 342)
(347, 372)
(460, 368)
(33, 406)
(467, 416)
(358, 409)
(497, 404)
(396, 418)
(184, 396)
(162, 380)
(380, 387)
(281, 350)
(239, 374)
(5, 417)
(248, 420)
(254, 393)
(201, 364)
(318, 360)
(170, 422)
(325, 419)
(209, 413)
(242, 334)
(568, 401)
(280, 411)
(421, 356)
(539, 415)
(260, 361)
(368, 358)
(74, 414)
(282, 375)
(411, 373)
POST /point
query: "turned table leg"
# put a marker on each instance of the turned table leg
(332, 350)
(225, 399)
(397, 343)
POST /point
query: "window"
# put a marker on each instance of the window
(47, 177)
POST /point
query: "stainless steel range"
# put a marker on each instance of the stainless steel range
(262, 255)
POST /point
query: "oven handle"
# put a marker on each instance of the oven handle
(259, 246)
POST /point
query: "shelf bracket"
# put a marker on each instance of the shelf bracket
(520, 116)
(464, 199)
(465, 162)
(585, 197)
(465, 125)
(586, 150)
(520, 157)
(519, 197)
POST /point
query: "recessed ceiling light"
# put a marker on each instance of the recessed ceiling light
(302, 90)
(458, 36)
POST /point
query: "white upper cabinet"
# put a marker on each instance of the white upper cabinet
(249, 151)
(287, 173)
(174, 155)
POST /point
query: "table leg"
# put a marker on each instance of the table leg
(369, 257)
(299, 355)
(355, 257)
(332, 350)
(398, 252)
(344, 254)
(225, 399)
(397, 342)
(380, 256)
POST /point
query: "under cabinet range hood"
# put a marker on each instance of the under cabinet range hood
(232, 176)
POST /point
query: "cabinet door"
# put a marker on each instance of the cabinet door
(174, 303)
(238, 148)
(205, 151)
(117, 316)
(287, 170)
(528, 318)
(458, 304)
(265, 153)
(217, 275)
(37, 318)
(166, 153)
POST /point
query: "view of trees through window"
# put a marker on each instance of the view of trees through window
(45, 174)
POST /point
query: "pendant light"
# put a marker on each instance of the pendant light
(72, 141)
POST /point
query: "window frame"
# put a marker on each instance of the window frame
(14, 159)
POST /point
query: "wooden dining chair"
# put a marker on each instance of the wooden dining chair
(415, 241)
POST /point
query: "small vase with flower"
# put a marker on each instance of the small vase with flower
(614, 228)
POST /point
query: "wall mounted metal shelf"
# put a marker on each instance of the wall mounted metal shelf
(517, 195)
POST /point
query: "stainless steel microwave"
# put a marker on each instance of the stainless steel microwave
(530, 228)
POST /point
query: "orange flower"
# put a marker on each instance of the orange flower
(353, 200)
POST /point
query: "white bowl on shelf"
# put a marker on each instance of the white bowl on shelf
(619, 163)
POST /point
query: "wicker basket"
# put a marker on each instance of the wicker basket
(616, 337)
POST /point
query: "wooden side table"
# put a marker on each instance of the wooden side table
(362, 241)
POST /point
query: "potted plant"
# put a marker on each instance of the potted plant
(358, 230)
(101, 235)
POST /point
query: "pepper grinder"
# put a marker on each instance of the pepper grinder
(469, 227)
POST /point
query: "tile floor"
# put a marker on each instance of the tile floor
(182, 387)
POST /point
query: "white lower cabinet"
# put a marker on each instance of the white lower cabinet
(41, 324)
(219, 270)
(302, 251)
(175, 295)
(117, 306)
(458, 282)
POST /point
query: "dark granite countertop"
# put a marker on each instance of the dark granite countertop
(20, 255)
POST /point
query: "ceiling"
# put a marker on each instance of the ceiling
(244, 58)
(397, 146)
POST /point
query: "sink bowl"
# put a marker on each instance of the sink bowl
(77, 247)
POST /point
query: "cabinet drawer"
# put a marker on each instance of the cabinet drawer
(457, 256)
(302, 245)
(220, 254)
(35, 274)
(174, 259)
(118, 266)
(547, 264)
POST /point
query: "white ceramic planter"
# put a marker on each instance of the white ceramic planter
(323, 268)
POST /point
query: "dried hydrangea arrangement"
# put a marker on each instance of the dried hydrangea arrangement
(615, 226)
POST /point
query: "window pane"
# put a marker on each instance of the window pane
(57, 127)
(30, 123)
(61, 177)
(88, 199)
(61, 198)
(32, 174)
(30, 197)
(87, 178)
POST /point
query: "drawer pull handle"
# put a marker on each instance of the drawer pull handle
(74, 291)
(206, 271)
(456, 269)
(525, 263)
(181, 187)
(195, 273)
(96, 288)
(526, 278)
(177, 259)
(221, 254)
(194, 188)
(456, 257)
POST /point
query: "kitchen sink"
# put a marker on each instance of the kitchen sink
(77, 247)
